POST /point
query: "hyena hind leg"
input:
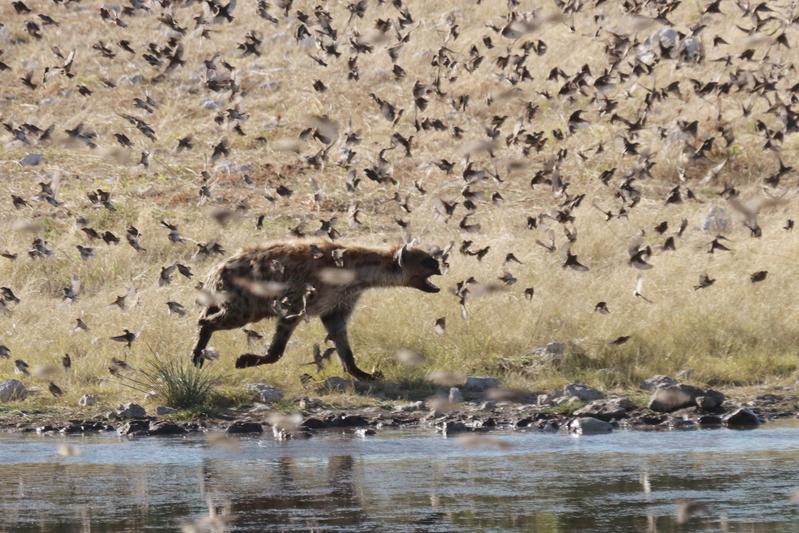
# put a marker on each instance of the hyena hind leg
(285, 327)
(336, 325)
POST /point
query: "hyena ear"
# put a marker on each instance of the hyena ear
(399, 256)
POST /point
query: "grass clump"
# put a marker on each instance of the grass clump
(175, 382)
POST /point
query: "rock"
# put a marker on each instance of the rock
(266, 393)
(607, 409)
(31, 160)
(455, 395)
(337, 383)
(452, 426)
(285, 434)
(670, 398)
(86, 426)
(711, 400)
(483, 423)
(545, 399)
(309, 403)
(583, 392)
(648, 420)
(709, 421)
(480, 383)
(552, 350)
(488, 405)
(410, 407)
(166, 427)
(11, 389)
(589, 426)
(135, 428)
(741, 418)
(313, 422)
(163, 410)
(657, 381)
(244, 426)
(365, 432)
(131, 410)
(87, 400)
(527, 421)
(563, 400)
(348, 421)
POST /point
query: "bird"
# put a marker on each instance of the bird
(55, 390)
(176, 308)
(705, 281)
(21, 367)
(252, 336)
(320, 358)
(66, 362)
(127, 337)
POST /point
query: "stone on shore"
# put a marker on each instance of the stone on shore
(166, 427)
(711, 400)
(11, 390)
(266, 393)
(130, 410)
(589, 426)
(455, 395)
(657, 381)
(134, 428)
(670, 398)
(583, 392)
(87, 400)
(606, 409)
(741, 418)
(451, 427)
(244, 426)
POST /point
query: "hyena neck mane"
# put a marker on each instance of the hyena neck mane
(373, 267)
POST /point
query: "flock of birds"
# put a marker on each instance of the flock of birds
(457, 98)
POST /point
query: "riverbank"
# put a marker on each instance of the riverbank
(478, 406)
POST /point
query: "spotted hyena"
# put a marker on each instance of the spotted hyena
(292, 280)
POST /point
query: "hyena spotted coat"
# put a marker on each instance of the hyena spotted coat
(292, 280)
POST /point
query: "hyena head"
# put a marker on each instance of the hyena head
(416, 266)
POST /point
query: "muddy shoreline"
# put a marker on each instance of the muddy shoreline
(468, 416)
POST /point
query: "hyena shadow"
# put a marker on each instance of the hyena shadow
(402, 389)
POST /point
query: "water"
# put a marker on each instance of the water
(406, 481)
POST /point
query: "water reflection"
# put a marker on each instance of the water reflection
(620, 482)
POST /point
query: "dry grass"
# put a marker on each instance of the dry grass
(734, 332)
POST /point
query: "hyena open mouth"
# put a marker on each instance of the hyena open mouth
(423, 283)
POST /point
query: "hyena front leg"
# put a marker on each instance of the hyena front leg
(336, 325)
(214, 318)
(285, 327)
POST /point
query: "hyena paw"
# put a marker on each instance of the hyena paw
(363, 376)
(197, 360)
(248, 360)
